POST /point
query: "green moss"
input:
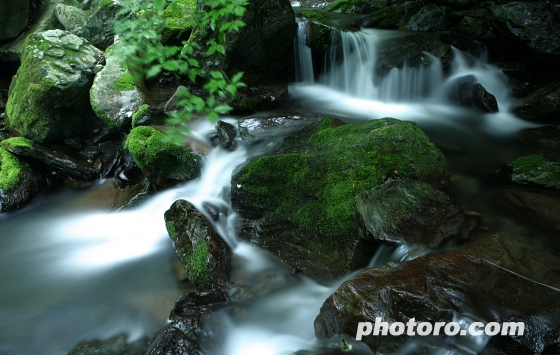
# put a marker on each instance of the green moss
(151, 150)
(315, 183)
(198, 270)
(315, 16)
(125, 82)
(11, 169)
(344, 5)
(16, 142)
(170, 226)
(138, 114)
(537, 169)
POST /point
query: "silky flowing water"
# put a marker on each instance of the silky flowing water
(70, 272)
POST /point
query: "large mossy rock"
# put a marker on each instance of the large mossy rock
(538, 170)
(55, 157)
(543, 104)
(303, 193)
(18, 182)
(162, 162)
(201, 250)
(410, 212)
(411, 49)
(114, 96)
(49, 100)
(356, 6)
(262, 48)
(95, 25)
(179, 21)
(487, 282)
(532, 24)
(13, 18)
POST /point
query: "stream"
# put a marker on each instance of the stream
(72, 272)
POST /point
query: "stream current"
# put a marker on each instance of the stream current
(72, 272)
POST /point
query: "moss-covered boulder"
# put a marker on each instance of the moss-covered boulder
(18, 182)
(115, 95)
(535, 169)
(430, 18)
(410, 212)
(201, 250)
(179, 21)
(162, 162)
(303, 194)
(147, 115)
(356, 6)
(13, 18)
(391, 17)
(541, 105)
(95, 23)
(49, 100)
(486, 281)
(55, 157)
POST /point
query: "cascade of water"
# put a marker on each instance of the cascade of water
(304, 63)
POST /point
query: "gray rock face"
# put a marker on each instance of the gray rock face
(410, 212)
(430, 18)
(486, 281)
(543, 104)
(392, 16)
(49, 99)
(13, 17)
(255, 129)
(531, 23)
(114, 95)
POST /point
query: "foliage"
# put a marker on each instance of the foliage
(147, 56)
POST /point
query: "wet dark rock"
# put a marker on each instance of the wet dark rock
(395, 52)
(111, 156)
(392, 17)
(19, 182)
(189, 319)
(542, 36)
(226, 135)
(462, 42)
(148, 116)
(409, 212)
(455, 4)
(256, 129)
(202, 251)
(300, 198)
(430, 18)
(129, 175)
(546, 139)
(484, 100)
(486, 281)
(356, 7)
(163, 163)
(171, 104)
(117, 345)
(542, 105)
(55, 157)
(461, 90)
(215, 211)
(259, 95)
(538, 170)
(13, 18)
(2, 103)
(475, 28)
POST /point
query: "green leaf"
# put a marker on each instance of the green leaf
(222, 109)
(237, 77)
(213, 116)
(193, 62)
(170, 65)
(153, 71)
(216, 74)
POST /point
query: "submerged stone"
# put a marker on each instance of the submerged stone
(302, 195)
(49, 99)
(163, 163)
(201, 250)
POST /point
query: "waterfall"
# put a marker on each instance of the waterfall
(304, 63)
